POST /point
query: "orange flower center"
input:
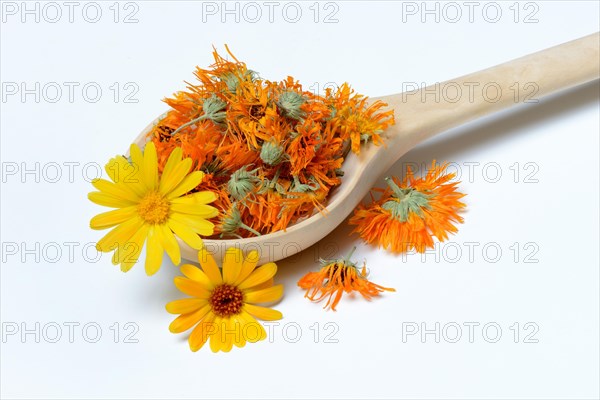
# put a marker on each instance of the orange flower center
(257, 111)
(226, 300)
(154, 208)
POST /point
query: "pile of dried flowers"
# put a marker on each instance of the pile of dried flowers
(270, 150)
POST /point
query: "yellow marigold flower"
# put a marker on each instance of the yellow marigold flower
(223, 304)
(411, 212)
(151, 208)
(337, 277)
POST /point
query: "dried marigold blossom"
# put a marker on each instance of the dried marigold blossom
(336, 277)
(271, 148)
(411, 212)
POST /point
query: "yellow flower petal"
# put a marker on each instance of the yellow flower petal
(132, 251)
(230, 333)
(169, 182)
(150, 167)
(191, 288)
(154, 252)
(216, 339)
(232, 264)
(268, 295)
(252, 330)
(200, 334)
(172, 161)
(128, 249)
(119, 234)
(204, 197)
(209, 266)
(126, 174)
(259, 275)
(185, 306)
(248, 266)
(200, 210)
(137, 160)
(114, 217)
(113, 168)
(197, 224)
(196, 274)
(265, 285)
(116, 257)
(236, 321)
(115, 190)
(169, 243)
(264, 313)
(186, 234)
(186, 321)
(187, 184)
(108, 200)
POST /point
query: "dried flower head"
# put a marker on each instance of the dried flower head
(335, 278)
(214, 109)
(232, 222)
(242, 182)
(272, 153)
(290, 103)
(411, 212)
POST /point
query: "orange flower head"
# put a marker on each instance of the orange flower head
(411, 212)
(336, 277)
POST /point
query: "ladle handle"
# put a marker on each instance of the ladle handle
(423, 113)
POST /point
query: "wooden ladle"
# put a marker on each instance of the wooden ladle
(421, 114)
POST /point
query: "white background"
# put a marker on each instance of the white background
(553, 211)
